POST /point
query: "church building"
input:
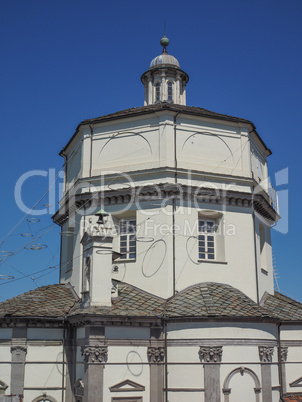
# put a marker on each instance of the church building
(166, 288)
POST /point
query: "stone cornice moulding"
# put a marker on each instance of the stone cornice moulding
(166, 192)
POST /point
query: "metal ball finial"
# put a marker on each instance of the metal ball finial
(164, 41)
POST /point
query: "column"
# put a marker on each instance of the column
(211, 357)
(95, 356)
(156, 356)
(265, 355)
(18, 351)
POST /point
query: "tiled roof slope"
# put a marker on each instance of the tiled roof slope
(202, 300)
(166, 106)
(198, 301)
(47, 301)
(131, 302)
(293, 398)
(283, 307)
(213, 300)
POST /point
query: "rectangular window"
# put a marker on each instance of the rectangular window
(128, 239)
(206, 239)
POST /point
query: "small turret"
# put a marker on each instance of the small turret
(164, 81)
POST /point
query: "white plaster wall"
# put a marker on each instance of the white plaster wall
(291, 332)
(266, 277)
(152, 269)
(45, 354)
(184, 396)
(180, 354)
(73, 252)
(241, 354)
(147, 142)
(134, 366)
(125, 145)
(74, 166)
(43, 375)
(223, 330)
(135, 356)
(185, 374)
(237, 268)
(212, 147)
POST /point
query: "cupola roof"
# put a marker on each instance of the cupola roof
(164, 58)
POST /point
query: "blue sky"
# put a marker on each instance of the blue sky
(65, 61)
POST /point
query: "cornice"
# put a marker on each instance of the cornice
(169, 191)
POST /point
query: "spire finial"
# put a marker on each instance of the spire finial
(164, 40)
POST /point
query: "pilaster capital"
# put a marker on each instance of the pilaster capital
(210, 354)
(18, 353)
(95, 353)
(265, 354)
(283, 353)
(156, 355)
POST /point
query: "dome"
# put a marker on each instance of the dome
(164, 58)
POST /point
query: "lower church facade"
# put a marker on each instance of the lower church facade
(208, 343)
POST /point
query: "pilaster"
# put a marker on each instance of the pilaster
(265, 355)
(211, 356)
(95, 355)
(18, 352)
(156, 357)
(283, 358)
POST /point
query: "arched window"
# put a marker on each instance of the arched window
(170, 91)
(157, 92)
(44, 398)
